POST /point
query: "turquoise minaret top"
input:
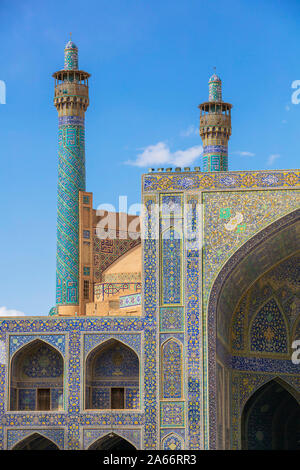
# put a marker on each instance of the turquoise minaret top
(71, 56)
(215, 88)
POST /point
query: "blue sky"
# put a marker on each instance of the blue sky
(150, 63)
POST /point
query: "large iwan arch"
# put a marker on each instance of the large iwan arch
(245, 287)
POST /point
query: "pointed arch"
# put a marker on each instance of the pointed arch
(34, 340)
(112, 441)
(172, 441)
(271, 417)
(36, 377)
(268, 329)
(112, 376)
(274, 378)
(35, 441)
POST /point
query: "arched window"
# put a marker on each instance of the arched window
(36, 378)
(112, 377)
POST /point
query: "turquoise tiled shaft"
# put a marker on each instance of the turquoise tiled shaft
(71, 179)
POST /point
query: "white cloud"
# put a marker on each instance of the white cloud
(7, 312)
(244, 153)
(191, 130)
(160, 154)
(272, 158)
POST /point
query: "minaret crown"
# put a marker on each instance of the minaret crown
(71, 56)
(215, 88)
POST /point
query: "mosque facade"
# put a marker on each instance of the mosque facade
(174, 331)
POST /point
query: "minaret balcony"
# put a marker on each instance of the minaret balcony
(71, 89)
(215, 119)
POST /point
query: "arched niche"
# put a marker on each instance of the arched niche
(172, 442)
(271, 418)
(112, 377)
(112, 442)
(36, 378)
(171, 369)
(171, 266)
(35, 441)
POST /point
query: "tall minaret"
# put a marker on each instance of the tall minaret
(215, 127)
(71, 99)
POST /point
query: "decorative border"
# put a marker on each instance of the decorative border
(17, 435)
(221, 180)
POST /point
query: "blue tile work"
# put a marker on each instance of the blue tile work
(90, 436)
(215, 158)
(71, 174)
(43, 362)
(163, 423)
(266, 245)
(171, 414)
(171, 318)
(171, 267)
(151, 359)
(244, 385)
(18, 341)
(27, 399)
(74, 418)
(121, 362)
(172, 442)
(71, 56)
(132, 340)
(14, 436)
(192, 303)
(233, 180)
(216, 161)
(215, 88)
(268, 332)
(101, 397)
(201, 269)
(171, 370)
(132, 398)
(71, 180)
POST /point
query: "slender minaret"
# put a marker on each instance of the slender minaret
(71, 99)
(215, 127)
